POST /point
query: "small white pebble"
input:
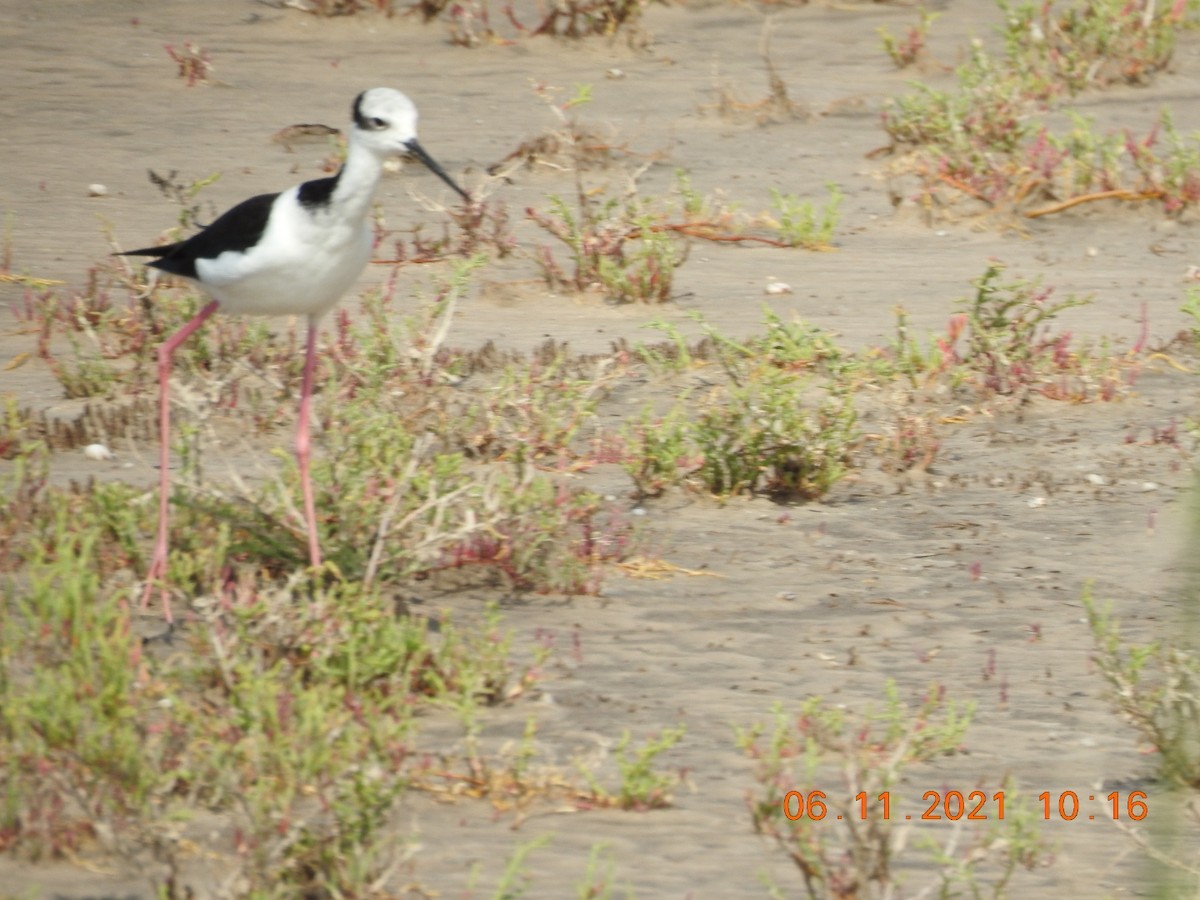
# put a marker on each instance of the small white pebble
(1037, 502)
(97, 190)
(785, 595)
(638, 511)
(97, 451)
(777, 287)
(614, 74)
(1097, 479)
(1149, 486)
(1093, 251)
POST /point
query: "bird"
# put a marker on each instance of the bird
(290, 253)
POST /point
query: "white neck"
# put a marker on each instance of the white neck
(357, 181)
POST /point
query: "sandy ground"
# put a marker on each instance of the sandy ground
(962, 577)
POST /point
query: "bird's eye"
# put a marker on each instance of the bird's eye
(377, 123)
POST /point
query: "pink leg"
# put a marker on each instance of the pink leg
(158, 565)
(302, 444)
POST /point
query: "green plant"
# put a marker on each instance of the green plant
(544, 537)
(981, 138)
(537, 409)
(17, 430)
(1082, 166)
(906, 357)
(641, 786)
(800, 224)
(597, 884)
(1008, 844)
(330, 713)
(987, 113)
(1077, 45)
(1190, 307)
(657, 451)
(614, 246)
(1007, 344)
(846, 842)
(908, 50)
(514, 879)
(673, 356)
(77, 758)
(794, 347)
(289, 708)
(629, 247)
(758, 434)
(1173, 176)
(791, 222)
(1156, 687)
(395, 504)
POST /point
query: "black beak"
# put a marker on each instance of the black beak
(415, 148)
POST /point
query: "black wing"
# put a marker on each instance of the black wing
(315, 194)
(238, 229)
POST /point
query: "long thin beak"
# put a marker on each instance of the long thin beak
(415, 148)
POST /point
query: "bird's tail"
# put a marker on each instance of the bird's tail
(164, 250)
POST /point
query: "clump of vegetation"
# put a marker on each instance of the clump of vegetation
(983, 139)
(761, 435)
(989, 111)
(1002, 344)
(766, 428)
(291, 710)
(641, 786)
(1156, 687)
(628, 248)
(848, 840)
(470, 22)
(912, 47)
(1191, 308)
(1008, 345)
(613, 246)
(1068, 47)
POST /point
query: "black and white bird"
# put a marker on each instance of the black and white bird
(293, 253)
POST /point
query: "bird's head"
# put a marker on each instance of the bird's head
(385, 121)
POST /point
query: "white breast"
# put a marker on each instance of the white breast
(303, 264)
